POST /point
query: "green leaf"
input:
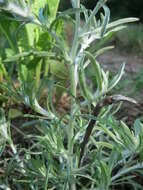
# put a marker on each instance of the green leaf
(98, 6)
(106, 20)
(105, 175)
(97, 69)
(127, 170)
(35, 7)
(121, 22)
(117, 78)
(3, 70)
(103, 50)
(6, 28)
(26, 37)
(35, 105)
(138, 127)
(127, 136)
(82, 81)
(53, 7)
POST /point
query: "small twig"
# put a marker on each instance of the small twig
(107, 101)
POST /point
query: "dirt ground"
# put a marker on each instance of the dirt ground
(112, 61)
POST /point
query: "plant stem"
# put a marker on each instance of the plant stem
(73, 73)
(73, 80)
(46, 68)
(71, 123)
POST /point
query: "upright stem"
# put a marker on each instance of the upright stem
(73, 105)
(73, 73)
(71, 126)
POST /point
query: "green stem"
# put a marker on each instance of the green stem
(73, 105)
(72, 77)
(46, 68)
(73, 81)
(71, 124)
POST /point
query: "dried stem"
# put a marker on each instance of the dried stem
(107, 101)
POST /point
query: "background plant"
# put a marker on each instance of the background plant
(32, 44)
(49, 156)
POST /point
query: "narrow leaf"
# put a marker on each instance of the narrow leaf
(117, 78)
(106, 20)
(96, 66)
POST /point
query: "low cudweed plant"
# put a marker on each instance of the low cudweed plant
(76, 150)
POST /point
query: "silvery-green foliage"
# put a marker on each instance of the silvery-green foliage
(52, 159)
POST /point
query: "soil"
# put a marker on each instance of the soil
(112, 61)
(114, 58)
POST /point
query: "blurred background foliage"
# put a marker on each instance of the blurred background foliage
(133, 42)
(119, 8)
